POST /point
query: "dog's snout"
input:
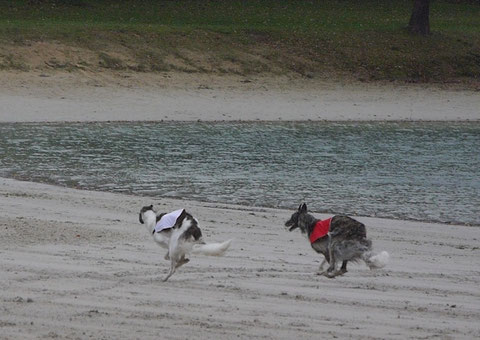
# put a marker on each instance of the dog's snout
(292, 224)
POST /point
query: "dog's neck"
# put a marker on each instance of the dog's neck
(150, 220)
(306, 223)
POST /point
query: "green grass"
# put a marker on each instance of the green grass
(229, 16)
(360, 38)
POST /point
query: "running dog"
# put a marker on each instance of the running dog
(339, 238)
(179, 233)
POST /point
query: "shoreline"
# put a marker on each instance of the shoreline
(279, 121)
(246, 207)
(77, 263)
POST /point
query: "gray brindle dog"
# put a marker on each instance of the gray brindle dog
(345, 241)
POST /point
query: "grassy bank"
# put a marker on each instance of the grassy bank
(363, 40)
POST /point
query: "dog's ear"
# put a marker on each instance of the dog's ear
(303, 208)
(300, 207)
(140, 218)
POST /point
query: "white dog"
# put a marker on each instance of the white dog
(179, 233)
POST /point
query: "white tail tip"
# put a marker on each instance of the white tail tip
(379, 260)
(212, 249)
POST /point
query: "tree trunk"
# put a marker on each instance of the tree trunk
(419, 21)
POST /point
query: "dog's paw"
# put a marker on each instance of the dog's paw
(330, 275)
(182, 262)
(335, 273)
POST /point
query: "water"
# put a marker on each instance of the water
(420, 171)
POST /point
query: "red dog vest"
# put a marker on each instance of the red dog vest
(320, 230)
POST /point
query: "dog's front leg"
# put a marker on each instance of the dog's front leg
(321, 247)
(321, 265)
(182, 261)
(331, 269)
(326, 259)
(343, 269)
(173, 266)
(336, 254)
(331, 272)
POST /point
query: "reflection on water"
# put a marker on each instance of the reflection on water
(426, 171)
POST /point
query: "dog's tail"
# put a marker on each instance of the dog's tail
(376, 261)
(211, 249)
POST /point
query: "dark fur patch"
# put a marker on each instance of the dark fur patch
(160, 216)
(144, 209)
(347, 228)
(193, 231)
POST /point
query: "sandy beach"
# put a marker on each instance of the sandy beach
(77, 264)
(38, 96)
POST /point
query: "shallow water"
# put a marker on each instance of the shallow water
(423, 171)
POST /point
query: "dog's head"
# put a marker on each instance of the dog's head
(143, 210)
(294, 219)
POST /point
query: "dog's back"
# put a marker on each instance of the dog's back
(348, 238)
(346, 228)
